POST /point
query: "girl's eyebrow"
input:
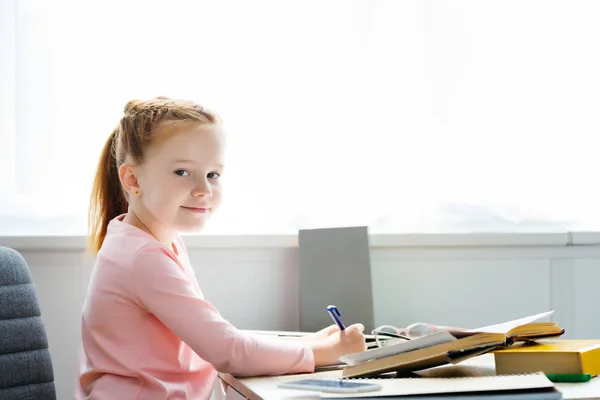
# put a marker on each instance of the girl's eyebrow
(184, 161)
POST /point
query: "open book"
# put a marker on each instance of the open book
(443, 348)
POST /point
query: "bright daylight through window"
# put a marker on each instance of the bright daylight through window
(463, 117)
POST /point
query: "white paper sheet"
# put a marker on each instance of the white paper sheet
(507, 326)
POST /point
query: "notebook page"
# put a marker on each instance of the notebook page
(415, 386)
(402, 347)
(368, 337)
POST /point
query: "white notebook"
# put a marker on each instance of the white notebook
(415, 386)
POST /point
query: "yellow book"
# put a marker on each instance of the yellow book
(551, 357)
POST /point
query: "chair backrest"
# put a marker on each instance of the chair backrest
(25, 366)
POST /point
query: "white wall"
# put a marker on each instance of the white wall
(466, 280)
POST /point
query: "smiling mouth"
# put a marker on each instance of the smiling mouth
(196, 209)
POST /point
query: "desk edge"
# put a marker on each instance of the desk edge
(239, 386)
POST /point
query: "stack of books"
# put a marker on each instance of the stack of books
(560, 360)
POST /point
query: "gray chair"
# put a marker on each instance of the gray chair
(25, 366)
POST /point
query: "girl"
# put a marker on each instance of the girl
(147, 332)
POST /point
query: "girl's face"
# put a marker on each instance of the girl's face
(180, 182)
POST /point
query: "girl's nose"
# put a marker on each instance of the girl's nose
(202, 190)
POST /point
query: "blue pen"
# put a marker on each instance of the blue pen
(336, 316)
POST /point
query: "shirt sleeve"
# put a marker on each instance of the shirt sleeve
(159, 284)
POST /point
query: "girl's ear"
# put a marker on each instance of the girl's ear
(129, 180)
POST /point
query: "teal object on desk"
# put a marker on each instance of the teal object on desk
(569, 377)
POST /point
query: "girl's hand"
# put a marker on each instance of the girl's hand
(323, 333)
(328, 350)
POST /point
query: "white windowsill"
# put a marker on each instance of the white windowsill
(376, 240)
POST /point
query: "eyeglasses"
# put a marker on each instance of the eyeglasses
(386, 335)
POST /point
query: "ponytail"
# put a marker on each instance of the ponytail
(107, 200)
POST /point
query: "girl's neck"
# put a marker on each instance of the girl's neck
(133, 218)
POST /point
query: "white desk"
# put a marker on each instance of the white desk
(265, 388)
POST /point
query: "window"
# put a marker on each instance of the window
(413, 116)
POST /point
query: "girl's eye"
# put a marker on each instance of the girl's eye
(182, 172)
(214, 175)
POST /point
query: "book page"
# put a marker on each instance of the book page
(402, 347)
(507, 326)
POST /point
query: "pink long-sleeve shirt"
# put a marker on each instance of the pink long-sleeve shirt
(148, 333)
